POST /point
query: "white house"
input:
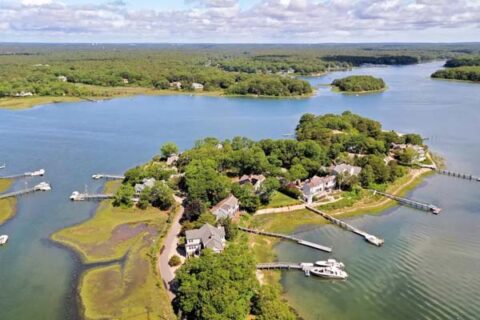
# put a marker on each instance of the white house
(125, 81)
(197, 86)
(228, 207)
(317, 187)
(24, 94)
(147, 182)
(205, 237)
(346, 169)
(172, 159)
(255, 179)
(62, 78)
(419, 150)
(176, 85)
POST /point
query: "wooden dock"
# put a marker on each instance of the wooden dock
(411, 203)
(107, 176)
(279, 266)
(77, 196)
(287, 237)
(39, 187)
(368, 237)
(459, 175)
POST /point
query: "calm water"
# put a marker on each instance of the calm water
(428, 268)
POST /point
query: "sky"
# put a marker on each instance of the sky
(239, 21)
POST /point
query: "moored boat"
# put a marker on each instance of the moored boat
(330, 263)
(3, 239)
(329, 273)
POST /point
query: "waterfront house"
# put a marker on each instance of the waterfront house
(24, 94)
(125, 81)
(228, 207)
(197, 86)
(255, 179)
(318, 187)
(62, 78)
(146, 183)
(207, 236)
(346, 169)
(420, 153)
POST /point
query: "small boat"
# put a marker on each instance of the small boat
(3, 239)
(38, 173)
(374, 240)
(43, 186)
(3, 166)
(332, 263)
(330, 273)
(75, 196)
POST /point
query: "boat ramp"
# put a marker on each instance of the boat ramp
(368, 237)
(43, 186)
(287, 237)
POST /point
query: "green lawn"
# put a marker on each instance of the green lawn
(7, 206)
(279, 200)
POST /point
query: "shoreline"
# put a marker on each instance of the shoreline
(116, 249)
(337, 90)
(8, 207)
(22, 103)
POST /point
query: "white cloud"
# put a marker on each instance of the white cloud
(224, 20)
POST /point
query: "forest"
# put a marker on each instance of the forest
(466, 68)
(359, 84)
(89, 70)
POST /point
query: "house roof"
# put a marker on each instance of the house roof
(316, 181)
(226, 204)
(210, 236)
(253, 178)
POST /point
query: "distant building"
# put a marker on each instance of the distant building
(147, 182)
(317, 187)
(254, 179)
(228, 207)
(197, 86)
(125, 81)
(176, 85)
(205, 237)
(346, 169)
(421, 154)
(172, 159)
(62, 78)
(24, 94)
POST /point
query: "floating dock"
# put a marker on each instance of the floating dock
(44, 186)
(77, 196)
(411, 203)
(99, 176)
(287, 237)
(459, 175)
(368, 237)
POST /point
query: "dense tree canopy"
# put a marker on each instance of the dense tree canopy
(359, 84)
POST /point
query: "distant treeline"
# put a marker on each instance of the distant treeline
(386, 60)
(359, 84)
(463, 61)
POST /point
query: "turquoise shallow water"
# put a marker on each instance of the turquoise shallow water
(426, 270)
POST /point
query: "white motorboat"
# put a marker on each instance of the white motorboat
(3, 166)
(43, 186)
(330, 263)
(329, 273)
(38, 173)
(3, 239)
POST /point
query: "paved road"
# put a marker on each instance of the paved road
(170, 248)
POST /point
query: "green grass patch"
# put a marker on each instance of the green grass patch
(7, 206)
(279, 200)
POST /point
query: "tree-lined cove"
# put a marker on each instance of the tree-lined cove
(129, 234)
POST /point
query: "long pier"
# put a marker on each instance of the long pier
(287, 237)
(39, 187)
(77, 196)
(411, 203)
(459, 175)
(37, 173)
(107, 176)
(368, 237)
(279, 265)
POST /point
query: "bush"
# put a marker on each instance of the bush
(174, 261)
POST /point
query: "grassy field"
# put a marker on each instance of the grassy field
(279, 200)
(126, 241)
(7, 206)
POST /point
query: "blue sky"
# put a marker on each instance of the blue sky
(292, 21)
